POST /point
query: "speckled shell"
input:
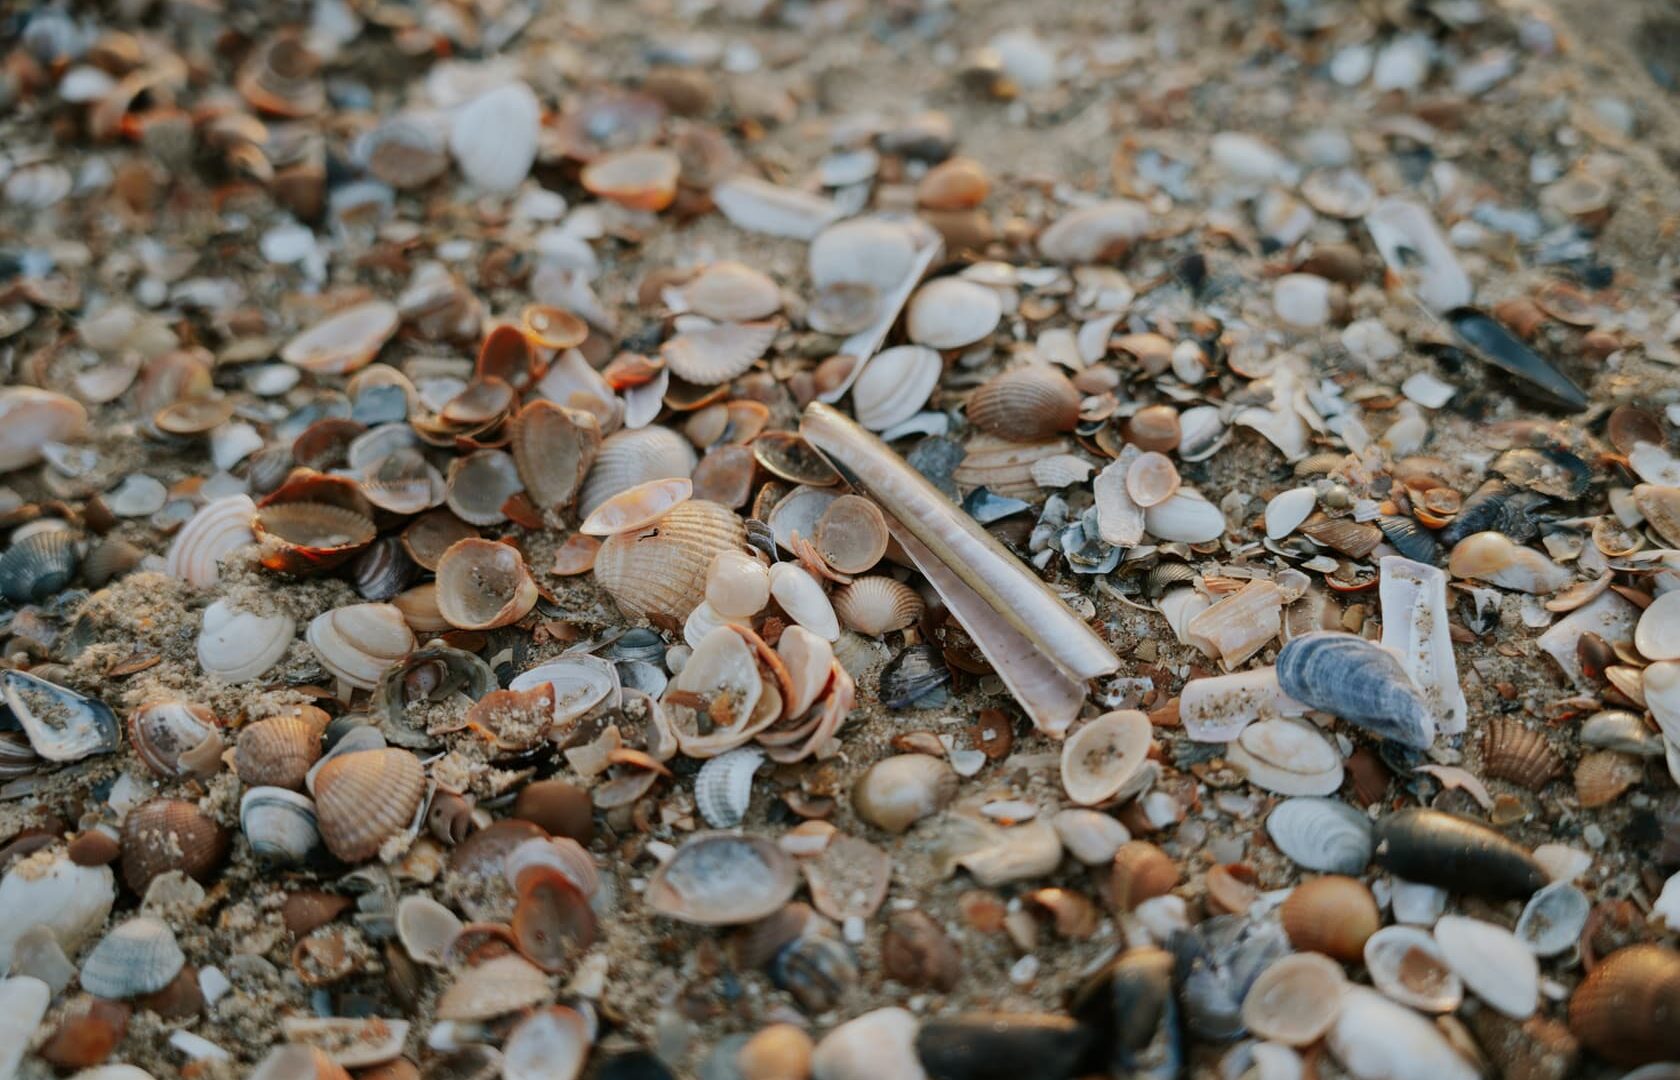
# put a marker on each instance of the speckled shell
(170, 834)
(632, 457)
(1515, 752)
(1333, 915)
(659, 572)
(279, 751)
(364, 798)
(1628, 1009)
(876, 605)
(1025, 404)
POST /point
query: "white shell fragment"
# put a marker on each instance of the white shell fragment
(1287, 757)
(1415, 628)
(1217, 708)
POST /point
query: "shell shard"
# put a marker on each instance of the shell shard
(1359, 681)
(1415, 628)
(1217, 708)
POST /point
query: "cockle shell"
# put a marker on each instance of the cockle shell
(170, 834)
(722, 879)
(1006, 468)
(898, 791)
(479, 485)
(1513, 751)
(359, 642)
(642, 178)
(1333, 915)
(1101, 759)
(365, 798)
(723, 787)
(39, 564)
(484, 584)
(1358, 681)
(628, 458)
(1624, 1009)
(61, 724)
(1322, 834)
(716, 354)
(737, 585)
(1151, 479)
(47, 889)
(345, 340)
(802, 598)
(138, 957)
(578, 683)
(554, 448)
(493, 138)
(876, 605)
(1408, 965)
(176, 738)
(220, 528)
(659, 572)
(894, 385)
(952, 313)
(1492, 962)
(501, 985)
(280, 825)
(1288, 757)
(1295, 999)
(868, 251)
(30, 418)
(1027, 403)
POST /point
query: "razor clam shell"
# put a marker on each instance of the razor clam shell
(723, 787)
(62, 725)
(1415, 627)
(1358, 681)
(1325, 835)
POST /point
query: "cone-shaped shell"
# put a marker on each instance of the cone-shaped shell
(279, 751)
(170, 834)
(483, 584)
(628, 458)
(876, 605)
(362, 799)
(1628, 1009)
(659, 572)
(1025, 404)
(554, 447)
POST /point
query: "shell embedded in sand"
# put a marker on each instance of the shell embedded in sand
(659, 571)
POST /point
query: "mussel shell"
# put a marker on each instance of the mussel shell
(39, 565)
(1129, 1008)
(1002, 1046)
(62, 725)
(911, 675)
(1358, 681)
(1496, 506)
(1455, 853)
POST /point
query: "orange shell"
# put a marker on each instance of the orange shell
(364, 798)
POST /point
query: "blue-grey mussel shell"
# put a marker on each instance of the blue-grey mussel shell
(1456, 854)
(1410, 538)
(1129, 1008)
(38, 565)
(1488, 339)
(1002, 1046)
(1496, 506)
(61, 724)
(911, 675)
(1218, 962)
(1359, 681)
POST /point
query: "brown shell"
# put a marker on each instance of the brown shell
(1025, 404)
(553, 448)
(876, 605)
(1515, 752)
(279, 751)
(1602, 776)
(1004, 467)
(308, 910)
(364, 798)
(659, 572)
(917, 952)
(312, 523)
(1628, 1009)
(1355, 539)
(851, 535)
(1332, 915)
(1141, 871)
(176, 738)
(559, 806)
(170, 834)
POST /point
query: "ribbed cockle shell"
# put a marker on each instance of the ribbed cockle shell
(363, 799)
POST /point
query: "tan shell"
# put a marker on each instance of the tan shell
(170, 834)
(1661, 506)
(1513, 751)
(644, 178)
(628, 458)
(480, 484)
(952, 313)
(723, 879)
(553, 447)
(507, 983)
(344, 341)
(176, 738)
(1102, 757)
(851, 535)
(1333, 915)
(732, 292)
(1603, 776)
(1152, 479)
(1025, 404)
(419, 607)
(876, 605)
(1141, 871)
(716, 354)
(638, 507)
(366, 797)
(358, 642)
(483, 584)
(428, 536)
(659, 572)
(279, 751)
(1004, 467)
(30, 417)
(1624, 1009)
(1295, 999)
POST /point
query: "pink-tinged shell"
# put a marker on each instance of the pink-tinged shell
(553, 447)
(628, 458)
(1152, 479)
(364, 798)
(30, 417)
(716, 354)
(659, 572)
(483, 584)
(403, 482)
(218, 529)
(876, 605)
(731, 292)
(638, 507)
(809, 660)
(345, 340)
(358, 642)
(419, 606)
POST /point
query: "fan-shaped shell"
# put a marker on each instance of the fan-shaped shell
(723, 879)
(867, 251)
(553, 447)
(659, 572)
(345, 340)
(493, 137)
(894, 385)
(218, 528)
(1624, 1009)
(952, 313)
(1025, 404)
(628, 458)
(170, 834)
(731, 292)
(1602, 776)
(723, 787)
(38, 565)
(1513, 751)
(176, 738)
(362, 799)
(140, 956)
(238, 646)
(480, 484)
(280, 750)
(876, 605)
(1101, 758)
(1322, 834)
(484, 584)
(357, 643)
(716, 354)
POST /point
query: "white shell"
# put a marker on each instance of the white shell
(550, 1044)
(1416, 903)
(731, 292)
(723, 879)
(1610, 617)
(1287, 757)
(737, 585)
(1375, 1039)
(23, 1005)
(804, 601)
(580, 683)
(865, 251)
(1407, 964)
(809, 660)
(1186, 518)
(723, 788)
(1286, 511)
(50, 890)
(1657, 637)
(1322, 834)
(874, 1046)
(1661, 685)
(1090, 836)
(238, 646)
(759, 206)
(494, 137)
(357, 643)
(1216, 708)
(1495, 965)
(1416, 252)
(703, 620)
(950, 313)
(138, 957)
(1085, 234)
(628, 458)
(1101, 759)
(1552, 921)
(426, 928)
(1302, 300)
(353, 1042)
(894, 385)
(279, 824)
(1494, 558)
(1415, 628)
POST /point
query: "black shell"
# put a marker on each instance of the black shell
(1001, 1046)
(1457, 854)
(1410, 538)
(1488, 340)
(1496, 506)
(912, 674)
(1129, 1008)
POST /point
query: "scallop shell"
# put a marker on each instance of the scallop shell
(365, 798)
(359, 642)
(1333, 915)
(137, 957)
(1358, 681)
(1295, 999)
(30, 418)
(723, 879)
(876, 605)
(851, 535)
(1028, 403)
(1322, 834)
(723, 787)
(894, 385)
(554, 448)
(1513, 751)
(717, 354)
(1408, 965)
(1603, 776)
(170, 834)
(345, 340)
(480, 484)
(280, 825)
(483, 584)
(1624, 1009)
(952, 313)
(731, 292)
(61, 724)
(493, 137)
(628, 458)
(637, 507)
(659, 572)
(1492, 962)
(1287, 756)
(38, 565)
(804, 601)
(1100, 759)
(176, 738)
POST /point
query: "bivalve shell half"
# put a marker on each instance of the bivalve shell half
(38, 565)
(1407, 964)
(312, 523)
(1492, 962)
(953, 313)
(359, 642)
(61, 724)
(628, 458)
(802, 598)
(480, 484)
(579, 683)
(1322, 834)
(644, 178)
(176, 738)
(1101, 759)
(1359, 681)
(553, 448)
(851, 535)
(1334, 915)
(876, 605)
(1553, 918)
(717, 354)
(484, 584)
(218, 529)
(1151, 479)
(731, 292)
(365, 798)
(239, 646)
(1657, 636)
(280, 825)
(637, 507)
(1028, 403)
(30, 418)
(1625, 1009)
(1295, 999)
(894, 385)
(898, 791)
(723, 787)
(722, 879)
(170, 834)
(344, 341)
(140, 956)
(494, 137)
(1093, 233)
(1287, 756)
(659, 572)
(504, 984)
(1376, 1039)
(550, 1044)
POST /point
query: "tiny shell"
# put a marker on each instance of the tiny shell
(1026, 403)
(951, 313)
(1100, 759)
(345, 340)
(238, 646)
(1407, 964)
(426, 928)
(721, 879)
(483, 584)
(1090, 836)
(644, 178)
(1186, 517)
(737, 585)
(876, 605)
(1602, 776)
(731, 292)
(1492, 962)
(1286, 512)
(1141, 871)
(480, 484)
(1553, 918)
(1493, 557)
(1295, 999)
(366, 797)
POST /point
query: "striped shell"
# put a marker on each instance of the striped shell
(176, 738)
(628, 458)
(716, 354)
(1025, 404)
(723, 788)
(362, 799)
(1624, 1009)
(1603, 776)
(1004, 467)
(279, 751)
(358, 642)
(659, 572)
(38, 565)
(170, 834)
(140, 956)
(1512, 751)
(876, 605)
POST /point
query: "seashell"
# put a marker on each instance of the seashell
(1027, 403)
(737, 585)
(1238, 625)
(1217, 708)
(1295, 999)
(1288, 757)
(848, 877)
(716, 354)
(730, 292)
(1358, 681)
(1094, 233)
(1090, 836)
(433, 674)
(1375, 1039)
(426, 929)
(1287, 511)
(1602, 776)
(1415, 629)
(1061, 471)
(1491, 342)
(1493, 557)
(1151, 479)
(759, 206)
(279, 824)
(1101, 759)
(359, 642)
(1455, 853)
(402, 482)
(954, 184)
(383, 570)
(1492, 963)
(952, 313)
(898, 791)
(778, 1050)
(170, 834)
(365, 798)
(851, 535)
(1322, 834)
(628, 458)
(561, 854)
(493, 137)
(30, 418)
(862, 251)
(1001, 1044)
(1185, 517)
(1623, 1010)
(1660, 506)
(1661, 687)
(501, 985)
(552, 922)
(344, 341)
(109, 559)
(1005, 468)
(804, 601)
(38, 565)
(351, 1042)
(139, 956)
(300, 535)
(479, 485)
(1141, 871)
(1657, 636)
(551, 1044)
(553, 449)
(406, 151)
(1512, 751)
(644, 178)
(723, 787)
(809, 660)
(877, 1044)
(176, 738)
(1553, 918)
(428, 536)
(49, 891)
(637, 507)
(292, 1061)
(876, 605)
(894, 385)
(1409, 965)
(483, 584)
(917, 953)
(1355, 539)
(61, 724)
(722, 879)
(1333, 915)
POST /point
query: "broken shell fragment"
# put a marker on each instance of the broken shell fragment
(1494, 558)
(359, 642)
(31, 418)
(553, 449)
(722, 879)
(1408, 965)
(176, 738)
(659, 571)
